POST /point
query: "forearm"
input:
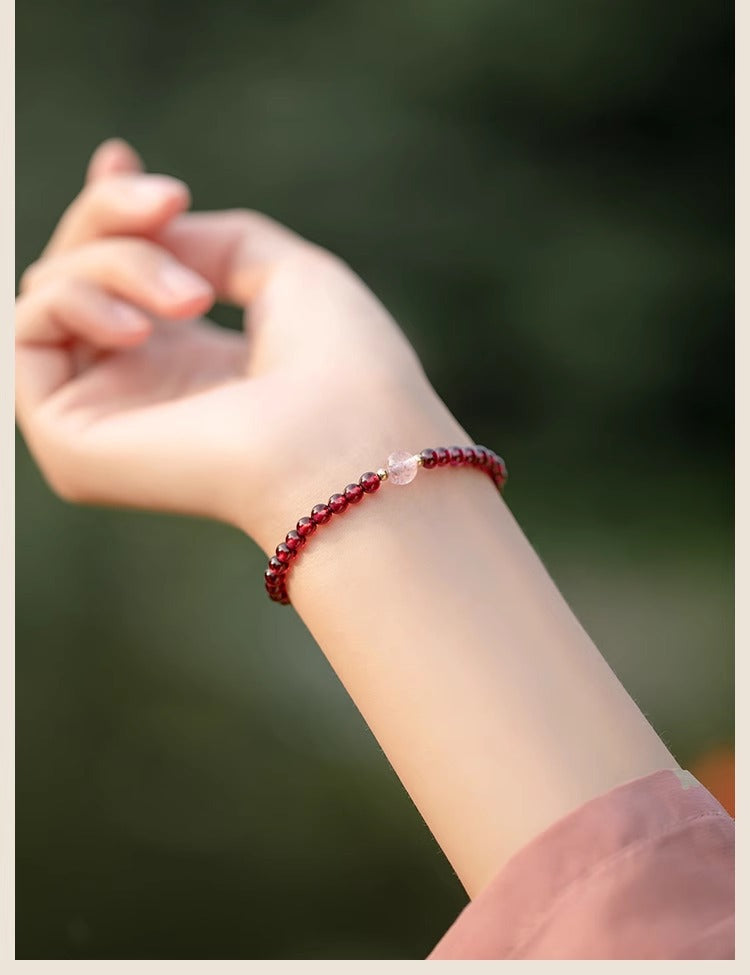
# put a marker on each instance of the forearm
(491, 703)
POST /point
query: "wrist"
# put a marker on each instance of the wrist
(347, 433)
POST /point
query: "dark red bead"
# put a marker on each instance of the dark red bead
(306, 526)
(481, 455)
(338, 503)
(277, 565)
(320, 514)
(470, 455)
(443, 456)
(456, 456)
(429, 458)
(369, 482)
(294, 540)
(284, 553)
(285, 600)
(354, 493)
(499, 471)
(273, 576)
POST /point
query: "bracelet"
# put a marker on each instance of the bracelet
(401, 468)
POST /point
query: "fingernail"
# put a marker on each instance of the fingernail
(183, 283)
(150, 190)
(124, 318)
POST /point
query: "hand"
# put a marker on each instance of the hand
(127, 398)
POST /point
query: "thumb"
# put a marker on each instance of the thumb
(112, 157)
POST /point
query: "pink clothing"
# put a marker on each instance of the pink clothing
(643, 871)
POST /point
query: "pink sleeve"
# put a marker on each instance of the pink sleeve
(644, 871)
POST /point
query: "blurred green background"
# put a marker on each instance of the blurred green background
(541, 193)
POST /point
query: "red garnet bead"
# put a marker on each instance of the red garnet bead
(284, 553)
(277, 571)
(294, 540)
(338, 503)
(497, 469)
(429, 458)
(320, 514)
(306, 526)
(354, 493)
(369, 482)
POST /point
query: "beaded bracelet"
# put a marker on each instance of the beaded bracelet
(401, 468)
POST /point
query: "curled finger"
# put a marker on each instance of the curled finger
(120, 203)
(67, 309)
(138, 271)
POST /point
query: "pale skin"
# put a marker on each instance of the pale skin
(490, 701)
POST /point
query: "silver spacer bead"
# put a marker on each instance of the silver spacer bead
(382, 473)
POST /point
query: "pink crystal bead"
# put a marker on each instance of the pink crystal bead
(402, 467)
